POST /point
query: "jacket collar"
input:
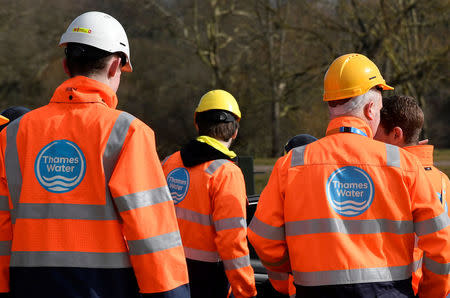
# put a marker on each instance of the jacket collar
(348, 121)
(423, 152)
(217, 145)
(81, 89)
(195, 153)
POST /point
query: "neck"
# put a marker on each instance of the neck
(100, 77)
(226, 143)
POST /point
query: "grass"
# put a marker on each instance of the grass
(261, 182)
(440, 155)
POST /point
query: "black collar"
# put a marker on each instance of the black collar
(195, 153)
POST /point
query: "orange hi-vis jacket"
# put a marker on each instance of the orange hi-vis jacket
(82, 191)
(343, 211)
(208, 190)
(282, 282)
(441, 184)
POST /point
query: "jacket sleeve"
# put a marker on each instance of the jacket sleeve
(229, 202)
(5, 222)
(432, 226)
(141, 195)
(266, 230)
(279, 281)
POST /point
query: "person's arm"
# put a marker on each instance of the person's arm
(5, 226)
(432, 226)
(229, 215)
(280, 281)
(266, 230)
(141, 195)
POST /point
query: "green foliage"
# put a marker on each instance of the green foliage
(271, 55)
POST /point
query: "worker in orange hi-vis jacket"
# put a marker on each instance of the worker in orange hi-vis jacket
(284, 282)
(85, 208)
(208, 189)
(341, 213)
(401, 123)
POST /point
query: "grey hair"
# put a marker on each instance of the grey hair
(354, 106)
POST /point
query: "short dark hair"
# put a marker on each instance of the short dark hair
(217, 124)
(86, 60)
(404, 112)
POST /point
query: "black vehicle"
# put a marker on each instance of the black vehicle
(263, 285)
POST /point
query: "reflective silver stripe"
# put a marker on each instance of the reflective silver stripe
(154, 244)
(189, 215)
(266, 231)
(115, 142)
(5, 248)
(431, 225)
(143, 199)
(417, 264)
(4, 203)
(70, 259)
(65, 211)
(215, 165)
(230, 223)
(339, 277)
(277, 275)
(201, 255)
(392, 156)
(113, 148)
(347, 226)
(237, 263)
(165, 159)
(12, 165)
(435, 267)
(298, 156)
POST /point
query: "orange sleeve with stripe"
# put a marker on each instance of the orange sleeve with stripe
(5, 222)
(140, 193)
(266, 231)
(229, 216)
(432, 226)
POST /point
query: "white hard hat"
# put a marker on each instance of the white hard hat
(99, 30)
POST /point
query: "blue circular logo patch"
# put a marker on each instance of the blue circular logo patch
(60, 166)
(350, 191)
(178, 181)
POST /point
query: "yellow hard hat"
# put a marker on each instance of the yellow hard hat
(218, 100)
(351, 75)
(3, 120)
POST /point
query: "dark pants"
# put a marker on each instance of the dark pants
(56, 282)
(207, 280)
(392, 289)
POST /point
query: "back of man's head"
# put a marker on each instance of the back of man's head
(90, 39)
(298, 140)
(85, 60)
(404, 112)
(353, 106)
(218, 124)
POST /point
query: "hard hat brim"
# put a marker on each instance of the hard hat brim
(386, 87)
(3, 120)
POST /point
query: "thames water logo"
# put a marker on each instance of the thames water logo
(178, 181)
(60, 166)
(350, 191)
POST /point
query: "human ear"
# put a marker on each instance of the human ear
(369, 112)
(114, 66)
(66, 68)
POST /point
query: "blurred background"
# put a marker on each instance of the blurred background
(270, 54)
